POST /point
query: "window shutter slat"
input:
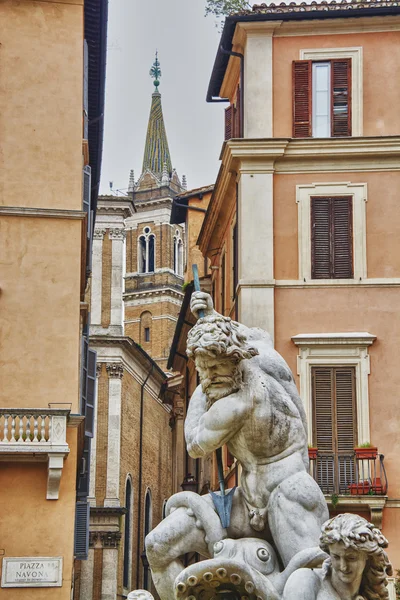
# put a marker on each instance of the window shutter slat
(323, 409)
(237, 132)
(320, 238)
(82, 517)
(344, 382)
(91, 391)
(228, 122)
(342, 238)
(323, 426)
(302, 77)
(341, 97)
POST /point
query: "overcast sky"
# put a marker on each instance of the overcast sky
(187, 43)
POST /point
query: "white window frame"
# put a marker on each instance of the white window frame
(146, 235)
(178, 254)
(327, 94)
(336, 350)
(356, 55)
(358, 192)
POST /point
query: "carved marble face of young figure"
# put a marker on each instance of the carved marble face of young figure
(347, 563)
(219, 376)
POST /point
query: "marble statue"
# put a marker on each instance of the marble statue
(248, 400)
(357, 566)
(140, 595)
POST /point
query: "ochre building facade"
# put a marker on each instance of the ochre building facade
(302, 228)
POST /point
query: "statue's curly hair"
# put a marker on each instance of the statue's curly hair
(216, 335)
(356, 533)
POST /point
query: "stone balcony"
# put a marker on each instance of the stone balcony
(37, 435)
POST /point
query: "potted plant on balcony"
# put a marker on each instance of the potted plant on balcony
(366, 451)
(312, 452)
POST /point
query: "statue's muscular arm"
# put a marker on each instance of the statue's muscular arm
(207, 430)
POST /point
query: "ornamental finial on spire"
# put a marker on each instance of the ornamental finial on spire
(155, 72)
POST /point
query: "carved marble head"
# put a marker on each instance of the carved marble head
(356, 545)
(217, 347)
(140, 595)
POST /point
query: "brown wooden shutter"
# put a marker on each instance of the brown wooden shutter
(334, 426)
(237, 128)
(323, 430)
(331, 238)
(345, 409)
(341, 97)
(320, 238)
(302, 77)
(228, 122)
(342, 238)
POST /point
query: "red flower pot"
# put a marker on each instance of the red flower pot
(312, 453)
(366, 453)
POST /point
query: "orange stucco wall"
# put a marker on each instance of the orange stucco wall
(41, 103)
(40, 263)
(30, 525)
(374, 310)
(383, 231)
(381, 55)
(39, 316)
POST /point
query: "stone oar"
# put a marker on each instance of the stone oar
(222, 501)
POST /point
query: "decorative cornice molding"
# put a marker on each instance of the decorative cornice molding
(362, 338)
(98, 234)
(117, 234)
(105, 539)
(46, 213)
(115, 370)
(288, 155)
(99, 367)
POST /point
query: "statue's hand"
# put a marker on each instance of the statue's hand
(201, 301)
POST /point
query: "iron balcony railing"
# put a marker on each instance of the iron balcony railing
(350, 475)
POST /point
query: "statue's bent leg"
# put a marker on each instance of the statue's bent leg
(296, 511)
(174, 536)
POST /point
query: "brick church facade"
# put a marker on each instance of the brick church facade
(135, 298)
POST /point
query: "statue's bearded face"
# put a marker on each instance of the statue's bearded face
(219, 376)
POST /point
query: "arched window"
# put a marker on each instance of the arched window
(146, 319)
(127, 534)
(178, 253)
(147, 529)
(146, 251)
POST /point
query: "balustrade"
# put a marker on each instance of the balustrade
(39, 435)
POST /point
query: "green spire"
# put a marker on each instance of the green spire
(156, 151)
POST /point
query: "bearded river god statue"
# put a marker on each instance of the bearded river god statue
(248, 400)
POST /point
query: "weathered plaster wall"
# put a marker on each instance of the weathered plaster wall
(41, 103)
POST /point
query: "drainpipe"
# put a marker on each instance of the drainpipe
(239, 55)
(138, 552)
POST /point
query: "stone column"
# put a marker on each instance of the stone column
(256, 269)
(86, 589)
(117, 279)
(115, 372)
(110, 573)
(97, 276)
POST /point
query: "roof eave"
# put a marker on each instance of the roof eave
(222, 59)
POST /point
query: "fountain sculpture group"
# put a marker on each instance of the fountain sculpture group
(280, 542)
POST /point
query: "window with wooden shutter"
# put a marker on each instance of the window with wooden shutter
(82, 518)
(341, 97)
(301, 98)
(228, 122)
(334, 426)
(237, 116)
(332, 237)
(332, 102)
